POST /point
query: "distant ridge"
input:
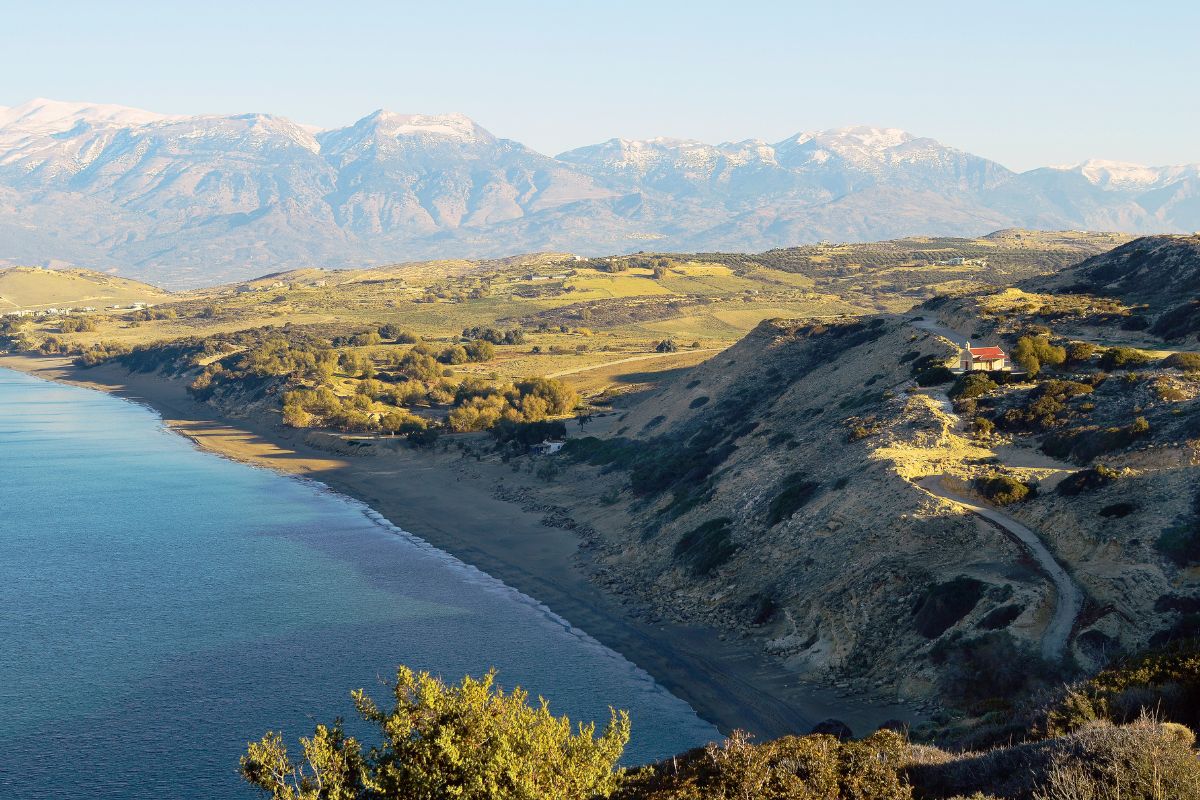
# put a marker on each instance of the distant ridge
(185, 201)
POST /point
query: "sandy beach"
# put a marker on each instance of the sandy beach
(450, 501)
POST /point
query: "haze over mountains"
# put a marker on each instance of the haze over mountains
(196, 200)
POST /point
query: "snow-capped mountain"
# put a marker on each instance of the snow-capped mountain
(191, 200)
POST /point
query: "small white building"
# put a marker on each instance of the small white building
(547, 448)
(983, 359)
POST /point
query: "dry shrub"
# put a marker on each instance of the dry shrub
(816, 767)
(1145, 760)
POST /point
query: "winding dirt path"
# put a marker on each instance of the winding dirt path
(1069, 600)
(1069, 597)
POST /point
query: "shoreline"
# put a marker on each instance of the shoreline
(448, 501)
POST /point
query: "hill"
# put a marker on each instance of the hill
(32, 289)
(83, 184)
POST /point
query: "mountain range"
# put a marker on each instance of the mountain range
(194, 200)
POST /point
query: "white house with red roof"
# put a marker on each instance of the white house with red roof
(984, 359)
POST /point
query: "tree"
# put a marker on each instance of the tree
(480, 350)
(1034, 352)
(666, 346)
(470, 742)
(455, 354)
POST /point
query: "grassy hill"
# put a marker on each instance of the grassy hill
(29, 288)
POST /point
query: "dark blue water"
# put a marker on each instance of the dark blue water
(160, 606)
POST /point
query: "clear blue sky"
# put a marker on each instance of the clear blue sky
(1025, 83)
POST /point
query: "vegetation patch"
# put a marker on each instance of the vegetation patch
(1124, 358)
(1085, 444)
(796, 490)
(971, 385)
(789, 768)
(1185, 362)
(1001, 617)
(1163, 681)
(943, 605)
(707, 546)
(1003, 490)
(1117, 510)
(1087, 480)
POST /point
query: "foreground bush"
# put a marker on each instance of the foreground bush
(815, 767)
(1141, 761)
(470, 742)
(1164, 681)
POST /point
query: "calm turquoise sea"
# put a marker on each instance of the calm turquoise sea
(161, 606)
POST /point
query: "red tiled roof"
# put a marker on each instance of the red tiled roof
(986, 353)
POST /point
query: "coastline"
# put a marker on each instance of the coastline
(448, 501)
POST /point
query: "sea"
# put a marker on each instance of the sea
(161, 606)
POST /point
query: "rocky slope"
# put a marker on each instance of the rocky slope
(195, 200)
(802, 489)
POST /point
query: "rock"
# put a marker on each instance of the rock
(833, 727)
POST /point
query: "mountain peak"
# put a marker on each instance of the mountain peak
(450, 126)
(858, 137)
(42, 115)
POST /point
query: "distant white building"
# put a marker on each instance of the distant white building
(547, 448)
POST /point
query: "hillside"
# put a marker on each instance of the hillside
(87, 184)
(804, 490)
(24, 288)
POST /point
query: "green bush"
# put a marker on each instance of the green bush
(1087, 480)
(815, 767)
(471, 742)
(1002, 490)
(1033, 353)
(944, 604)
(1081, 352)
(707, 546)
(1163, 681)
(1124, 358)
(796, 491)
(935, 376)
(1187, 362)
(971, 385)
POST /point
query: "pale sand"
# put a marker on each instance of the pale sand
(441, 499)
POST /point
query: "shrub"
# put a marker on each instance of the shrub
(666, 346)
(796, 491)
(935, 376)
(1002, 490)
(1187, 362)
(1033, 353)
(789, 768)
(1144, 760)
(1164, 681)
(1124, 358)
(455, 354)
(480, 350)
(1181, 543)
(698, 402)
(1087, 480)
(971, 385)
(944, 604)
(471, 741)
(1081, 352)
(707, 546)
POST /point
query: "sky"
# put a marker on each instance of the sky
(1027, 84)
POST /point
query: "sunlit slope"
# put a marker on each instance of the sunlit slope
(34, 289)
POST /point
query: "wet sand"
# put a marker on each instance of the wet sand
(449, 502)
